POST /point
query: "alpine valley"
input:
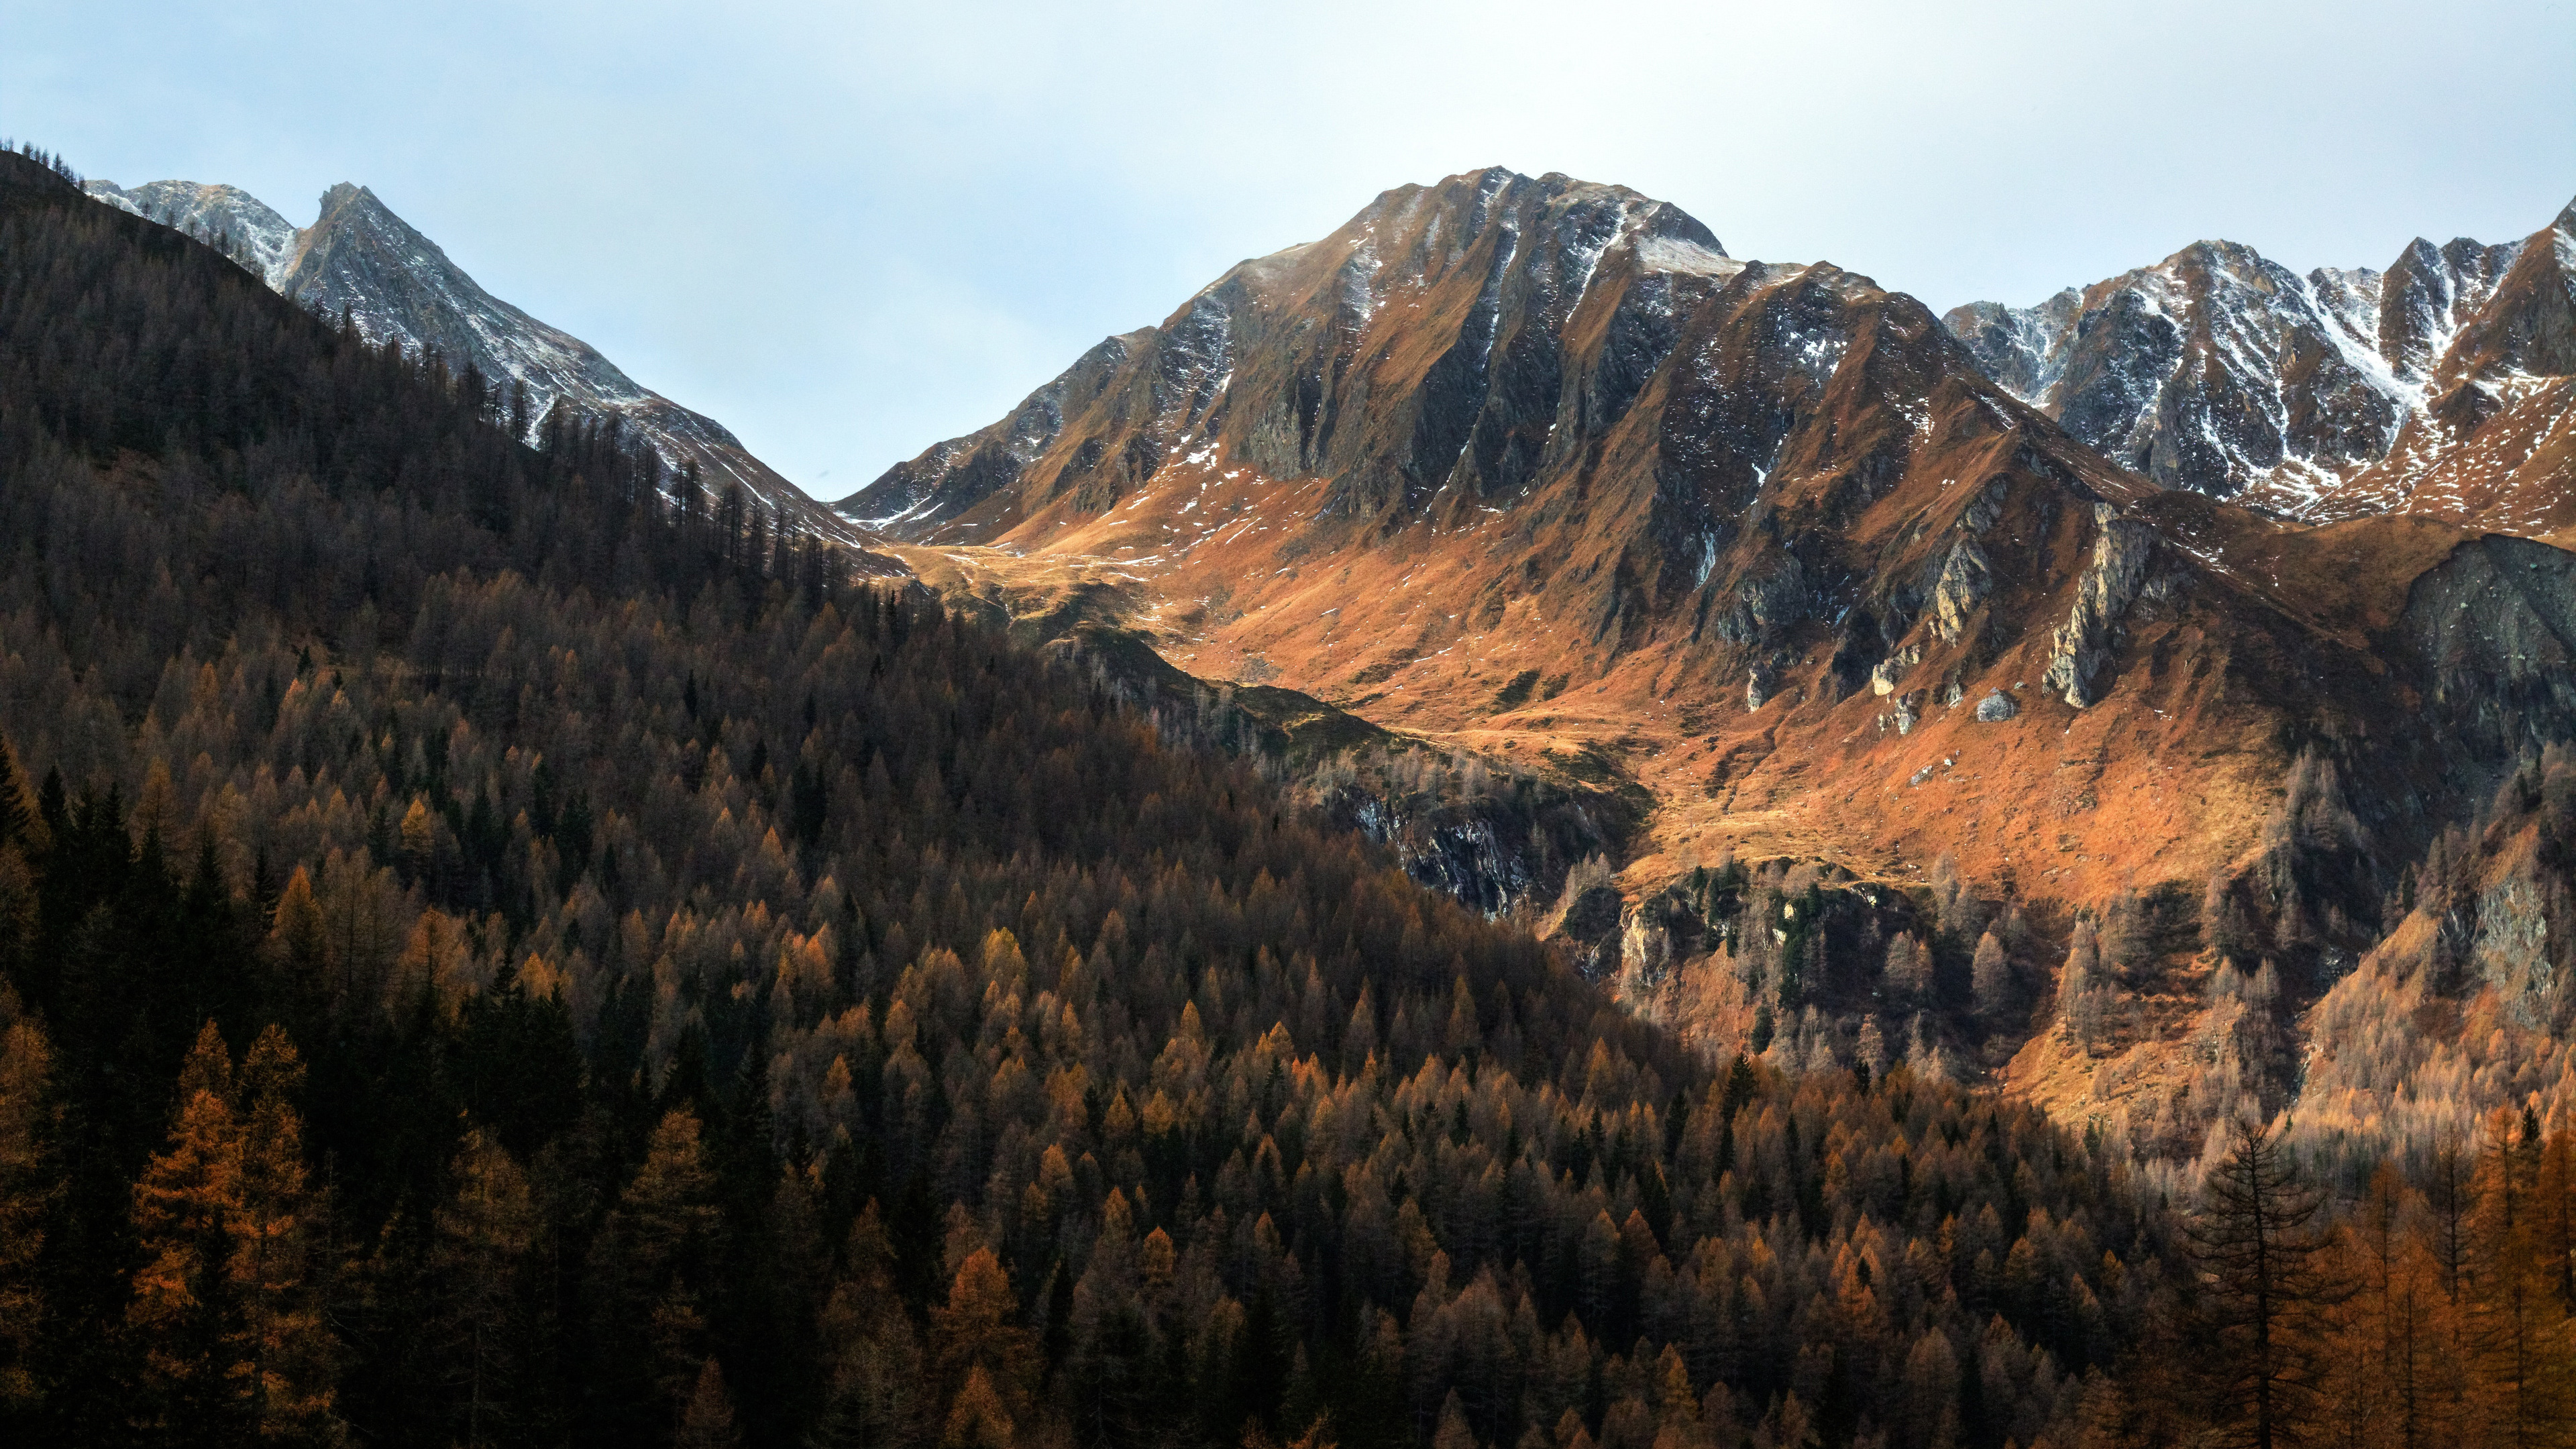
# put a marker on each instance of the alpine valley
(1508, 832)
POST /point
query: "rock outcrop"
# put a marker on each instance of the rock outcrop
(2081, 647)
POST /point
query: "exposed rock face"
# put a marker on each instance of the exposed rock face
(2427, 388)
(1996, 707)
(2496, 625)
(395, 284)
(2215, 370)
(2122, 549)
(2022, 348)
(1530, 463)
(1533, 313)
(957, 475)
(1966, 578)
(1645, 947)
(2494, 443)
(1883, 679)
(2429, 293)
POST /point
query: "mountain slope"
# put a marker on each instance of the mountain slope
(1530, 468)
(2334, 395)
(358, 258)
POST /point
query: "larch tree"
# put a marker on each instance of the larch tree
(707, 1422)
(650, 1266)
(871, 1354)
(2079, 988)
(277, 1245)
(2523, 1355)
(2264, 1282)
(182, 1311)
(977, 1332)
(1990, 978)
(483, 1238)
(28, 1189)
(225, 1304)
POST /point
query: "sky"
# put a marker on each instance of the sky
(850, 230)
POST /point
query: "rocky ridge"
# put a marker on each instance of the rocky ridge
(2430, 387)
(360, 259)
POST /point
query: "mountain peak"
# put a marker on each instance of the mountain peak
(2344, 392)
(1446, 344)
(361, 259)
(1472, 200)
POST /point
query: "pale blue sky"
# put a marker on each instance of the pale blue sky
(849, 231)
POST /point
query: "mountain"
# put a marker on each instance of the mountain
(359, 259)
(2333, 395)
(490, 958)
(1531, 469)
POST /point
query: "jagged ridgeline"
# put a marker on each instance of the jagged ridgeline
(496, 954)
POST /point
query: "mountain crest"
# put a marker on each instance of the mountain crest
(2341, 393)
(1448, 340)
(361, 260)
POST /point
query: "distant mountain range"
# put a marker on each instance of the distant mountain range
(360, 259)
